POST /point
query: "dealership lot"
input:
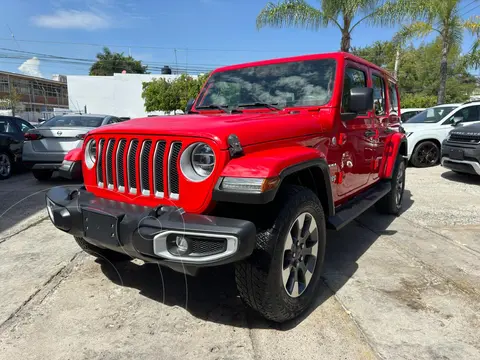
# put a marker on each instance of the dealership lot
(395, 288)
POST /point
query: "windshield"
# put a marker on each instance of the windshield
(301, 83)
(73, 121)
(431, 115)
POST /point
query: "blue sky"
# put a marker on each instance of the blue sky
(215, 32)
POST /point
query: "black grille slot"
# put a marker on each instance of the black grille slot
(120, 166)
(100, 163)
(202, 247)
(109, 162)
(465, 137)
(131, 164)
(173, 185)
(144, 167)
(158, 168)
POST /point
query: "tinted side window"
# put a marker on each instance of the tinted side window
(469, 114)
(353, 78)
(23, 125)
(6, 126)
(392, 94)
(378, 95)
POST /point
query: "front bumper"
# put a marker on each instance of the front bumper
(70, 170)
(151, 234)
(461, 158)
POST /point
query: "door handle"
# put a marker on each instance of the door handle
(370, 133)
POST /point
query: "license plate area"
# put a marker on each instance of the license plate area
(98, 226)
(456, 154)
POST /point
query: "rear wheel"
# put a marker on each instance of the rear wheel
(5, 166)
(105, 254)
(282, 277)
(42, 175)
(426, 154)
(392, 202)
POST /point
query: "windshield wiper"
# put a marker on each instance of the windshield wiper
(214, 106)
(256, 104)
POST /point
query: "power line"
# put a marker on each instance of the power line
(148, 47)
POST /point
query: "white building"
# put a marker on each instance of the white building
(119, 95)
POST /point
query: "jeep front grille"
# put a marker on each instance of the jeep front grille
(137, 166)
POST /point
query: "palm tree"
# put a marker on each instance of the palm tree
(340, 13)
(473, 57)
(442, 17)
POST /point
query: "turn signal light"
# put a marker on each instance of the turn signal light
(249, 185)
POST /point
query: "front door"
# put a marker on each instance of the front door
(355, 150)
(381, 122)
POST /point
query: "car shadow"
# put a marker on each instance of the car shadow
(212, 294)
(462, 178)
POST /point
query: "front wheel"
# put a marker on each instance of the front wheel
(426, 154)
(5, 166)
(282, 277)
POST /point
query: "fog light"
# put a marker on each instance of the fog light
(182, 244)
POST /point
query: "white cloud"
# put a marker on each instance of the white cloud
(31, 67)
(73, 19)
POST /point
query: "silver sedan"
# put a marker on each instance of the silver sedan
(46, 146)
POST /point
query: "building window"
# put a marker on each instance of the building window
(4, 84)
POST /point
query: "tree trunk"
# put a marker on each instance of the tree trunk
(346, 38)
(443, 71)
(397, 63)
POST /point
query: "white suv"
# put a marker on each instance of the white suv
(428, 129)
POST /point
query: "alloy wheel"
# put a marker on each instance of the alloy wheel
(400, 184)
(300, 255)
(5, 165)
(428, 154)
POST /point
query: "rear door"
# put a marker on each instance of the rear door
(356, 152)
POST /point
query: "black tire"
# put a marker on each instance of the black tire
(103, 254)
(260, 279)
(392, 202)
(6, 165)
(42, 175)
(425, 154)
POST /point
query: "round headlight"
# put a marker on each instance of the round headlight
(197, 162)
(90, 153)
(203, 160)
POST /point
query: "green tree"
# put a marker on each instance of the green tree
(344, 14)
(163, 95)
(109, 63)
(12, 101)
(419, 75)
(438, 16)
(473, 57)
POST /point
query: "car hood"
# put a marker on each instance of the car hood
(251, 128)
(473, 129)
(409, 127)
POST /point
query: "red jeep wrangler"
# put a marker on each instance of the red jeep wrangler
(270, 154)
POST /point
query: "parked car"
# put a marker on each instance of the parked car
(427, 130)
(410, 112)
(461, 149)
(245, 181)
(47, 145)
(12, 131)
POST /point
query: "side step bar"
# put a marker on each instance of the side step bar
(358, 205)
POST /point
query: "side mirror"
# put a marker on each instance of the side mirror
(189, 106)
(361, 100)
(457, 120)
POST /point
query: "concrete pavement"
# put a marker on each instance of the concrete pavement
(395, 288)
